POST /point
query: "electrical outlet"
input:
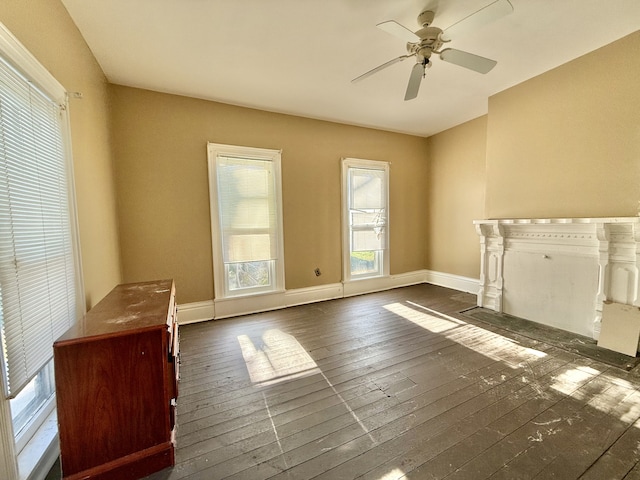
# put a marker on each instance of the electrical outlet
(317, 272)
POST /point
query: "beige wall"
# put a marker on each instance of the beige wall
(47, 31)
(567, 143)
(456, 198)
(161, 167)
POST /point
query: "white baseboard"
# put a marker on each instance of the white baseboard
(196, 312)
(302, 296)
(455, 282)
(379, 284)
(232, 307)
(409, 278)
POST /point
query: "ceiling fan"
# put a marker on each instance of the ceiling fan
(429, 40)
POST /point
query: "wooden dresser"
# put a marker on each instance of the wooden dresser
(117, 381)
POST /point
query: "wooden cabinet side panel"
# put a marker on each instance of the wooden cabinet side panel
(110, 398)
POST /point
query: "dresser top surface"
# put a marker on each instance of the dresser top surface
(128, 307)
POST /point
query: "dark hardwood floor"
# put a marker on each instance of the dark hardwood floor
(395, 385)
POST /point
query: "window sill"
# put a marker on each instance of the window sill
(40, 453)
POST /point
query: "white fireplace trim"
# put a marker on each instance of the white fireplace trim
(542, 251)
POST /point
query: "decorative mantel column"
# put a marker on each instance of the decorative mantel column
(559, 272)
(602, 231)
(491, 255)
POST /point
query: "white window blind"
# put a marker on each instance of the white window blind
(367, 209)
(247, 209)
(37, 268)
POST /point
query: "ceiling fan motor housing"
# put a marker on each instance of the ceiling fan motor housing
(430, 41)
(426, 18)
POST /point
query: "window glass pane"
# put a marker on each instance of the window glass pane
(249, 275)
(367, 188)
(27, 404)
(365, 263)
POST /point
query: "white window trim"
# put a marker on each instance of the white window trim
(346, 251)
(36, 456)
(213, 151)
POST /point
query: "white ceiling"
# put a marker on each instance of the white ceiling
(299, 56)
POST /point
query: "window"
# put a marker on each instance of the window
(40, 280)
(246, 220)
(365, 185)
(34, 401)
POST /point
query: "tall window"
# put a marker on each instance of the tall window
(246, 220)
(365, 185)
(40, 281)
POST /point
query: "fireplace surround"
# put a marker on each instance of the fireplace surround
(559, 271)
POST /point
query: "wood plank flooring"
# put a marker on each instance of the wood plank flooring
(395, 385)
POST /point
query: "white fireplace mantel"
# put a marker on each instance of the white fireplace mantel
(559, 271)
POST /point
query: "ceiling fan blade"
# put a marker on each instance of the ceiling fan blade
(380, 67)
(398, 31)
(414, 81)
(468, 60)
(482, 17)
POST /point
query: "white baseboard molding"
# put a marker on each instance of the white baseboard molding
(233, 307)
(455, 282)
(379, 284)
(196, 312)
(302, 296)
(409, 278)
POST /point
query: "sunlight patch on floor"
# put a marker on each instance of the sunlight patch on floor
(279, 358)
(482, 341)
(566, 382)
(617, 398)
(394, 474)
(633, 412)
(431, 323)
